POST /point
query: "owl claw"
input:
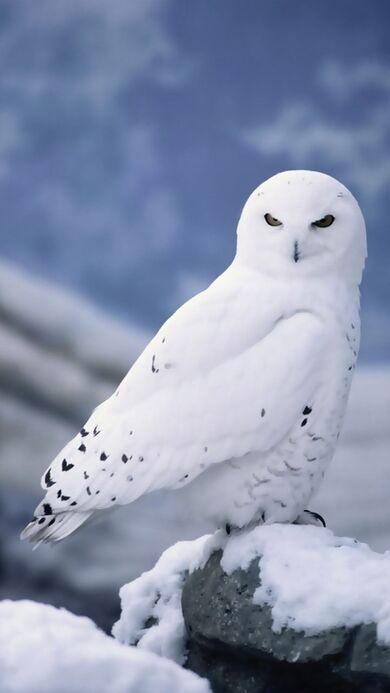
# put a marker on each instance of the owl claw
(309, 517)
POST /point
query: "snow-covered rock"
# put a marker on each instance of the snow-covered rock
(296, 595)
(151, 614)
(49, 650)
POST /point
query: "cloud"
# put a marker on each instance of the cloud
(98, 48)
(344, 81)
(306, 135)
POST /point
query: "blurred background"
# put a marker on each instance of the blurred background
(131, 134)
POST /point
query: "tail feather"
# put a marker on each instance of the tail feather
(50, 528)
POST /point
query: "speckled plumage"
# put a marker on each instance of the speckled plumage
(240, 396)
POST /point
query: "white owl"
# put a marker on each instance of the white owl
(239, 398)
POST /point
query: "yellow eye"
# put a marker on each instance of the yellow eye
(324, 222)
(271, 220)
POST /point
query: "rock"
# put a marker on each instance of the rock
(231, 640)
(228, 673)
(239, 623)
(368, 661)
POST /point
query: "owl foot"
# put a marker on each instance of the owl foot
(308, 517)
(232, 529)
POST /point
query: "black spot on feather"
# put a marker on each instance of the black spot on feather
(103, 456)
(65, 498)
(59, 493)
(113, 499)
(88, 490)
(124, 458)
(141, 459)
(262, 413)
(41, 521)
(82, 448)
(84, 433)
(48, 480)
(65, 466)
(307, 410)
(47, 509)
(86, 476)
(304, 422)
(73, 503)
(52, 521)
(95, 431)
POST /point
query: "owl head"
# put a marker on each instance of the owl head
(301, 224)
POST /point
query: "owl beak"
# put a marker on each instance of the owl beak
(296, 254)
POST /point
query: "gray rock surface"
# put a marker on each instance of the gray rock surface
(232, 641)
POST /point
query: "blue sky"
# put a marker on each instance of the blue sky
(132, 133)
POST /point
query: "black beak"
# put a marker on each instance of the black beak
(296, 252)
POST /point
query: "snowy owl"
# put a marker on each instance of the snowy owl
(239, 398)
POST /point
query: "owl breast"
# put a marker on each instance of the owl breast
(276, 486)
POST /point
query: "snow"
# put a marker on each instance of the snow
(47, 650)
(312, 579)
(156, 595)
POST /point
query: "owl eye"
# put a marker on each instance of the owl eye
(271, 220)
(327, 220)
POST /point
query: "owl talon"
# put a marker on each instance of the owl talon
(309, 517)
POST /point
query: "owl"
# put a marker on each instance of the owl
(238, 400)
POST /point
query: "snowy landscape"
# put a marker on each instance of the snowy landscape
(130, 136)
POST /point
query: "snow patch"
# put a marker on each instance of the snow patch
(44, 649)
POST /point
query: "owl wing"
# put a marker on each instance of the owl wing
(189, 402)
